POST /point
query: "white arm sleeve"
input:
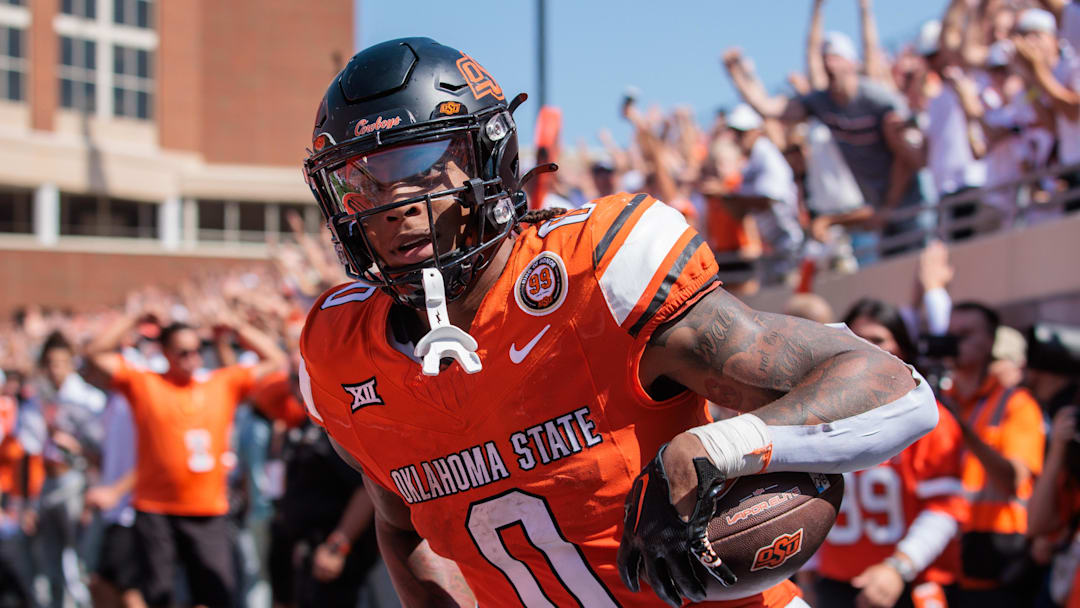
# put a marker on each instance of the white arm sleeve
(745, 445)
(927, 537)
(860, 441)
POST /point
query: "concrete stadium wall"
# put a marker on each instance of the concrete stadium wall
(1027, 273)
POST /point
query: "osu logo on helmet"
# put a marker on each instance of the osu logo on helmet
(779, 551)
(480, 82)
(450, 108)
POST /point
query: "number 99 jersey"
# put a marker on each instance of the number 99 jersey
(519, 472)
(881, 502)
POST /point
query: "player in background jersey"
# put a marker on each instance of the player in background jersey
(503, 460)
(183, 418)
(894, 541)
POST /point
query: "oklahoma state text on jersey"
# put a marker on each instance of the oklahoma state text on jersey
(518, 473)
(881, 502)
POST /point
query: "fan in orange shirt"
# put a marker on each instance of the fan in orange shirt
(500, 461)
(899, 520)
(183, 418)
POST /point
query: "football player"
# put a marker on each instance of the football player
(508, 382)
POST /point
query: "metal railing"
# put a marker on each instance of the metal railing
(952, 218)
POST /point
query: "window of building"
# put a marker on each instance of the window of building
(252, 222)
(133, 82)
(78, 66)
(88, 215)
(132, 219)
(16, 211)
(77, 8)
(12, 63)
(136, 13)
(211, 220)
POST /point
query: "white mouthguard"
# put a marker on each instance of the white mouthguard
(444, 339)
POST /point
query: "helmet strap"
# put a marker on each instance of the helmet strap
(444, 340)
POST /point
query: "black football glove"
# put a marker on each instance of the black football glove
(654, 536)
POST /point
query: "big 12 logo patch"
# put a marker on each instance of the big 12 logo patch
(781, 549)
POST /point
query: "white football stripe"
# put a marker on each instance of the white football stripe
(639, 257)
(305, 392)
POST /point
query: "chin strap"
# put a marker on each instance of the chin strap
(444, 340)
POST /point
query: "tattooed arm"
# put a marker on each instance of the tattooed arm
(788, 372)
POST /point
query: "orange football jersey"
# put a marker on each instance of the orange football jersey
(183, 435)
(519, 472)
(881, 502)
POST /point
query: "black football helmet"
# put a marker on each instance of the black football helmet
(390, 124)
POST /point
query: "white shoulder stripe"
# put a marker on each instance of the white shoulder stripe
(305, 392)
(354, 292)
(636, 262)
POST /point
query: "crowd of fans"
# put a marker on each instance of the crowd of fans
(177, 417)
(948, 137)
(971, 126)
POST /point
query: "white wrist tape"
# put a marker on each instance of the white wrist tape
(737, 446)
(927, 537)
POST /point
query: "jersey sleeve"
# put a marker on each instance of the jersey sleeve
(937, 468)
(308, 395)
(323, 329)
(648, 261)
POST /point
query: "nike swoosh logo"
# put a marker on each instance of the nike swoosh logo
(517, 356)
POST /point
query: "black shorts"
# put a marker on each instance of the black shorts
(202, 544)
(120, 561)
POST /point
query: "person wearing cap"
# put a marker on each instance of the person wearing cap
(767, 191)
(1052, 70)
(868, 123)
(1003, 435)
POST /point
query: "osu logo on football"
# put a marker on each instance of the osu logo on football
(480, 82)
(781, 550)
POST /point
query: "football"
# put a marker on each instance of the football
(767, 526)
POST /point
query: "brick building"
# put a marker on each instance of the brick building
(143, 139)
